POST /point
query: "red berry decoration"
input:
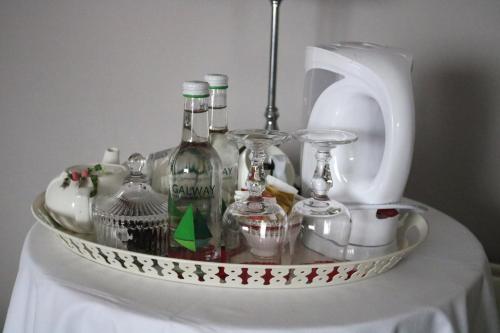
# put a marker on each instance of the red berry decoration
(386, 213)
(75, 175)
(85, 173)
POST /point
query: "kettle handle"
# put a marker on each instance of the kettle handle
(396, 103)
(397, 110)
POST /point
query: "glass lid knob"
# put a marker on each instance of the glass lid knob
(135, 164)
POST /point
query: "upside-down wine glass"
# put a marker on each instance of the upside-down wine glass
(255, 229)
(326, 223)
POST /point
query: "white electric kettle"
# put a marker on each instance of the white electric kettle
(364, 88)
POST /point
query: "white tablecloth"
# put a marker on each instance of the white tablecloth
(444, 286)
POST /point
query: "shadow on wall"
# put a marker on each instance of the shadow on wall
(454, 110)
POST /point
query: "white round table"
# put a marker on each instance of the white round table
(444, 286)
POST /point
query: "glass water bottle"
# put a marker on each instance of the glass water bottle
(194, 186)
(227, 149)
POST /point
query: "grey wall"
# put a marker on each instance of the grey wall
(78, 76)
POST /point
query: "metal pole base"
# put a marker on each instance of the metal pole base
(272, 115)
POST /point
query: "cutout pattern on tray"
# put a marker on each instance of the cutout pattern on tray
(229, 275)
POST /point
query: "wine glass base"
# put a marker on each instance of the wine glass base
(320, 208)
(326, 226)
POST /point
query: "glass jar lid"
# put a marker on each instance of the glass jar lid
(135, 201)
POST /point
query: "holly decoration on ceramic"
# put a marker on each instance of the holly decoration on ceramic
(83, 177)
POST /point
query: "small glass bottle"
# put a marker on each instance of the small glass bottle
(194, 186)
(227, 149)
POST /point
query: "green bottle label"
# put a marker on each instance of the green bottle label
(192, 232)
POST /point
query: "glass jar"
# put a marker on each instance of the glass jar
(135, 218)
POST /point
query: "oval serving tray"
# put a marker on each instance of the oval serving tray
(411, 233)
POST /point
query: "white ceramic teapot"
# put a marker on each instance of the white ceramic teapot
(69, 196)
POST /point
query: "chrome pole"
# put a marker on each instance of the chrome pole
(272, 113)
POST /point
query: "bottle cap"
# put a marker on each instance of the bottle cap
(217, 81)
(195, 89)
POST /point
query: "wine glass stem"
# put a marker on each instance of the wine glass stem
(256, 181)
(322, 180)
